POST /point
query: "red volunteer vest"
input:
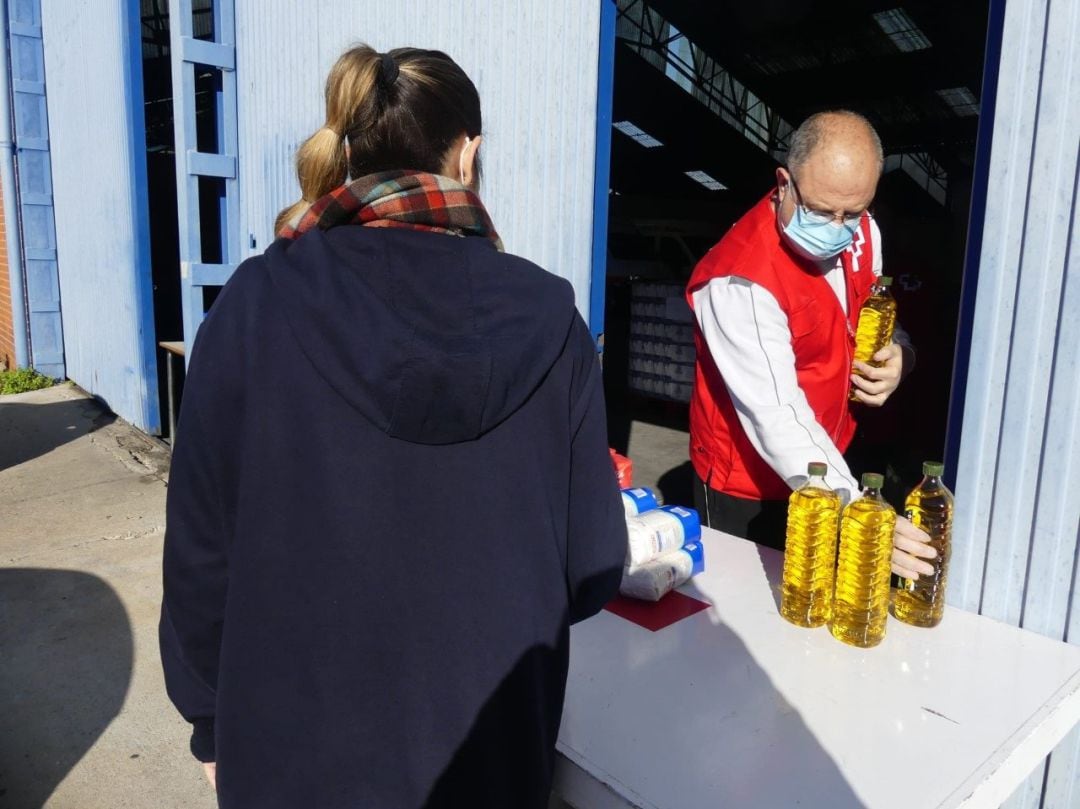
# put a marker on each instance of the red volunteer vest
(821, 336)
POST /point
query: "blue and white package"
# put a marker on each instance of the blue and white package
(655, 579)
(655, 532)
(638, 501)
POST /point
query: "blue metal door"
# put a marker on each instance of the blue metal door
(36, 220)
(206, 166)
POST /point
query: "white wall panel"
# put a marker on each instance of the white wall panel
(98, 146)
(535, 65)
(1018, 482)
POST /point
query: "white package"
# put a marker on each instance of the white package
(638, 501)
(659, 531)
(653, 580)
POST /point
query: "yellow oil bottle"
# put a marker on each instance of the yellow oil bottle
(810, 553)
(921, 602)
(877, 319)
(861, 600)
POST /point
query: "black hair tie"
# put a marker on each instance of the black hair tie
(388, 71)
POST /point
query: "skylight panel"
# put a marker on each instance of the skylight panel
(706, 180)
(961, 100)
(902, 30)
(637, 134)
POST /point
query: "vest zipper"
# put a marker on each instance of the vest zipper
(845, 407)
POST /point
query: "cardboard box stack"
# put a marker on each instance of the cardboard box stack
(661, 341)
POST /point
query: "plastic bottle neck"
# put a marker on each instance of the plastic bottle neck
(870, 493)
(817, 482)
(932, 483)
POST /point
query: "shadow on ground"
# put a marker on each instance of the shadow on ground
(67, 651)
(31, 430)
(676, 485)
(623, 409)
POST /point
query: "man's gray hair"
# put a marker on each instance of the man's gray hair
(806, 138)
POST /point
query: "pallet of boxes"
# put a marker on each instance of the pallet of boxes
(661, 342)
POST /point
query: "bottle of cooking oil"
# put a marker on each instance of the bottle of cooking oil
(921, 602)
(861, 601)
(810, 554)
(877, 318)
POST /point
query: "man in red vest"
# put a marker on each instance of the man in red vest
(776, 304)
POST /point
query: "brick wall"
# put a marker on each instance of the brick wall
(7, 331)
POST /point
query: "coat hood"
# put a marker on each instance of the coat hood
(434, 339)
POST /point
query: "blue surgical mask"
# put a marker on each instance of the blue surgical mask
(817, 241)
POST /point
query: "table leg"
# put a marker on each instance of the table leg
(172, 397)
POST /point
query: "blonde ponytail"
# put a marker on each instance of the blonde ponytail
(404, 110)
(321, 161)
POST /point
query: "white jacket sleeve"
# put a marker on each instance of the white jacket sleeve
(749, 340)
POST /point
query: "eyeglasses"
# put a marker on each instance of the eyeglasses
(819, 218)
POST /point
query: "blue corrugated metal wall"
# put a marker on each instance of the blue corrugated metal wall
(535, 65)
(35, 186)
(98, 147)
(1018, 492)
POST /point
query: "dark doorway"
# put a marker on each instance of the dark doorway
(161, 174)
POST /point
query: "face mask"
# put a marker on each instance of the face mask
(817, 241)
(461, 159)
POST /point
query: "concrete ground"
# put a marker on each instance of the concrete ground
(84, 719)
(660, 453)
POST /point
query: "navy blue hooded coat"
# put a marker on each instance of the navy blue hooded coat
(390, 496)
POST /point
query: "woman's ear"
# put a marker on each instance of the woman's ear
(470, 176)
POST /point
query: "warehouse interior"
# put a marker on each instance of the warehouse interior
(705, 95)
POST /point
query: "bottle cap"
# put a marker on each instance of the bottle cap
(885, 281)
(817, 468)
(933, 469)
(872, 480)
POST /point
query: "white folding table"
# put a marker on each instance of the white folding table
(735, 707)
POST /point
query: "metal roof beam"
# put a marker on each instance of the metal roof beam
(870, 78)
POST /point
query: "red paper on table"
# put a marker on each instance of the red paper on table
(655, 615)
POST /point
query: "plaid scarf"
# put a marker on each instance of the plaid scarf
(400, 199)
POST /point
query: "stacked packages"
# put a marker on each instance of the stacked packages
(661, 342)
(664, 548)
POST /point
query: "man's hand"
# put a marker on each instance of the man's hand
(877, 384)
(210, 768)
(909, 543)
